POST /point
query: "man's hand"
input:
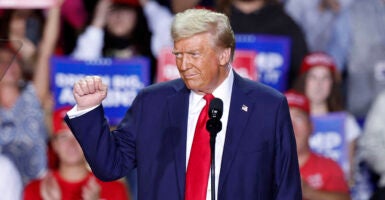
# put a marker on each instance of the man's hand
(89, 92)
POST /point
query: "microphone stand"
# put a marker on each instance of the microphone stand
(212, 147)
(213, 126)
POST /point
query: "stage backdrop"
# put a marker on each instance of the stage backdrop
(272, 60)
(123, 77)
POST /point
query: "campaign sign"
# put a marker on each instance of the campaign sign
(329, 139)
(243, 64)
(272, 60)
(123, 77)
(27, 3)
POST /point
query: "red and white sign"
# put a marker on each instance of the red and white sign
(243, 64)
(27, 3)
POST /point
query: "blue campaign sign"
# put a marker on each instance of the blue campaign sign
(124, 79)
(272, 60)
(329, 138)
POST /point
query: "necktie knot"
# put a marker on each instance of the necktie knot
(208, 98)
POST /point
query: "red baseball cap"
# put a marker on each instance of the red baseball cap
(59, 124)
(317, 59)
(297, 100)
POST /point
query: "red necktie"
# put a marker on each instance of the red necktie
(198, 167)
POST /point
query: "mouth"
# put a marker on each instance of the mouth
(190, 76)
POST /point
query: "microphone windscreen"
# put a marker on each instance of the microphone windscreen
(216, 109)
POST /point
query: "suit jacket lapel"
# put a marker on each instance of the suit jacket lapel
(240, 106)
(178, 111)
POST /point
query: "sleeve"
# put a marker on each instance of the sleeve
(372, 140)
(10, 180)
(352, 128)
(286, 168)
(32, 191)
(111, 155)
(75, 113)
(83, 50)
(159, 20)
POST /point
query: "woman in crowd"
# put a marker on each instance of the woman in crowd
(23, 131)
(320, 82)
(72, 179)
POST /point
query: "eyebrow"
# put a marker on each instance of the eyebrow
(174, 51)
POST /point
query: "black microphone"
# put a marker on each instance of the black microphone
(214, 125)
(216, 109)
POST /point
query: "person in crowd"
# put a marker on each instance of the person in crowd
(23, 26)
(11, 185)
(318, 20)
(372, 143)
(176, 6)
(157, 133)
(363, 52)
(72, 179)
(23, 130)
(118, 29)
(159, 18)
(322, 178)
(74, 18)
(320, 82)
(269, 18)
(159, 15)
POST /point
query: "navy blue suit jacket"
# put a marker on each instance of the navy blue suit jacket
(259, 157)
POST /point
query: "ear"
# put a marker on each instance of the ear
(224, 57)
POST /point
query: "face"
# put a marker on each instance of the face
(121, 22)
(302, 128)
(17, 27)
(318, 84)
(13, 70)
(201, 65)
(68, 149)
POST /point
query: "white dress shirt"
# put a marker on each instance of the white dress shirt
(196, 104)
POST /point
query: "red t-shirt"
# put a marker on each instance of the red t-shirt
(114, 190)
(323, 174)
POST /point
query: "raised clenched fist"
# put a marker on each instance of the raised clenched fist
(89, 92)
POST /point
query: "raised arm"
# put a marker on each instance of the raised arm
(45, 51)
(93, 34)
(159, 19)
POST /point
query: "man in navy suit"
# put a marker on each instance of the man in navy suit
(255, 152)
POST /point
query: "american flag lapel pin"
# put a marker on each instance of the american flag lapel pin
(245, 108)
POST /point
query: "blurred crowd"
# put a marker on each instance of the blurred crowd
(337, 62)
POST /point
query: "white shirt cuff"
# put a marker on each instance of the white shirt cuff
(75, 113)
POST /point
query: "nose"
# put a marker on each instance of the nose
(183, 63)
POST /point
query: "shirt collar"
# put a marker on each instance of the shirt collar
(222, 91)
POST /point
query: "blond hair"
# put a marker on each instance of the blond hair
(195, 21)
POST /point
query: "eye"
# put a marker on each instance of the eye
(177, 54)
(195, 54)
